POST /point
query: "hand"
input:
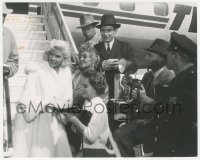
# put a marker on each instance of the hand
(110, 64)
(70, 117)
(6, 71)
(142, 92)
(104, 65)
(143, 97)
(74, 58)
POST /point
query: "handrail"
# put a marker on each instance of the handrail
(9, 147)
(55, 24)
(67, 28)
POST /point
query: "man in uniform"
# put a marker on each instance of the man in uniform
(88, 29)
(176, 129)
(139, 130)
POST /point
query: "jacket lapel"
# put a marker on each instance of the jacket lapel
(114, 50)
(162, 77)
(103, 53)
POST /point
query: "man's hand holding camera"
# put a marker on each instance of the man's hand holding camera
(143, 97)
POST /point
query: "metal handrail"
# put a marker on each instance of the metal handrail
(64, 33)
(67, 28)
(9, 148)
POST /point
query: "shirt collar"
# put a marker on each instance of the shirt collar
(158, 72)
(92, 39)
(110, 43)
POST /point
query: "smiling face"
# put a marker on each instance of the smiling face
(55, 58)
(108, 33)
(85, 60)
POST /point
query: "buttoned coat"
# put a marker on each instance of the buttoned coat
(119, 50)
(176, 127)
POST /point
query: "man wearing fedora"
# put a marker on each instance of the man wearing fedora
(10, 52)
(176, 133)
(88, 29)
(111, 48)
(140, 129)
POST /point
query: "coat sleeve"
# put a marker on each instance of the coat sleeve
(31, 104)
(13, 57)
(95, 126)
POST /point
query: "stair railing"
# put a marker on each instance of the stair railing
(56, 26)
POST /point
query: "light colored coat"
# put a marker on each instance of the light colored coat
(43, 134)
(10, 52)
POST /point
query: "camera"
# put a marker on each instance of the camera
(135, 83)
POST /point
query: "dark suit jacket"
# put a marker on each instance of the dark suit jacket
(156, 89)
(119, 50)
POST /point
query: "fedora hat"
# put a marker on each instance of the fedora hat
(160, 47)
(108, 20)
(86, 20)
(6, 10)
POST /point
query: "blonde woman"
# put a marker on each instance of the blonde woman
(39, 133)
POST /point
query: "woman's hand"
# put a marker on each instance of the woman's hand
(70, 117)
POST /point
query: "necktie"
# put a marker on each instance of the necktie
(108, 48)
(151, 86)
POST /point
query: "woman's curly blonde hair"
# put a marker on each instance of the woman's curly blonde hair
(92, 53)
(63, 46)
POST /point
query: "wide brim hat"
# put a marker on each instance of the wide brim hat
(6, 10)
(183, 44)
(108, 20)
(159, 46)
(86, 20)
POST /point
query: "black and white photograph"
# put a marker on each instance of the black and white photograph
(99, 79)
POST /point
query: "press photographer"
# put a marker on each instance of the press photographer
(139, 130)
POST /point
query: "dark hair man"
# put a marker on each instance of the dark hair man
(139, 130)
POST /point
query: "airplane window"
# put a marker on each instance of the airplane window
(93, 4)
(161, 9)
(128, 6)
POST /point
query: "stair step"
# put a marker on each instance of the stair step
(15, 93)
(31, 35)
(24, 18)
(17, 81)
(25, 26)
(22, 65)
(32, 44)
(13, 107)
(31, 55)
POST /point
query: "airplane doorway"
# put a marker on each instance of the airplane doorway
(18, 8)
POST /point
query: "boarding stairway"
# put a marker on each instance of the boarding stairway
(32, 33)
(31, 42)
